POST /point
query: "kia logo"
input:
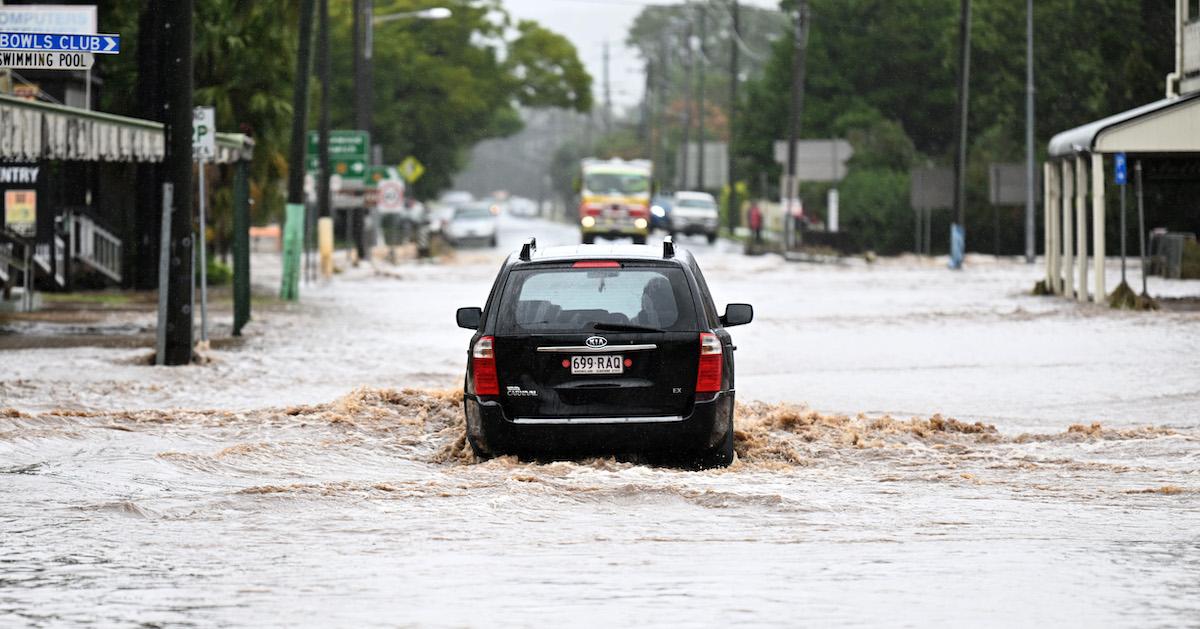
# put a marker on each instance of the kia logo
(596, 342)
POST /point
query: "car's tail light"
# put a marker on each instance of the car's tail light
(597, 264)
(591, 209)
(638, 211)
(708, 378)
(483, 366)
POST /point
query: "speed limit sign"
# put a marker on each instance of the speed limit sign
(391, 195)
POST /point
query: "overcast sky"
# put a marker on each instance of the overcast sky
(588, 24)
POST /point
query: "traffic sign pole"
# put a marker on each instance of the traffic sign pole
(1120, 165)
(1141, 222)
(203, 244)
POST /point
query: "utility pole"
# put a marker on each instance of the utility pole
(607, 94)
(363, 15)
(960, 163)
(177, 181)
(700, 100)
(687, 110)
(648, 96)
(297, 206)
(660, 144)
(734, 42)
(1030, 182)
(795, 110)
(300, 106)
(324, 200)
(362, 104)
(151, 58)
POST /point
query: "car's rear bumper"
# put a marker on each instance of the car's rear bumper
(694, 227)
(701, 430)
(471, 239)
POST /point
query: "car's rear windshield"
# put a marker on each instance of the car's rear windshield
(557, 300)
(697, 203)
(481, 211)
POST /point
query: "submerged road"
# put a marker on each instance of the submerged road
(292, 482)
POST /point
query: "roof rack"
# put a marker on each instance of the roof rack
(668, 247)
(528, 248)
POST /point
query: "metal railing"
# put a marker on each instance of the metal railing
(7, 258)
(95, 246)
(41, 257)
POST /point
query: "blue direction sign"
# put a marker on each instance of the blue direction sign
(1121, 173)
(61, 42)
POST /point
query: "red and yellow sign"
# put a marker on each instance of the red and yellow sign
(20, 211)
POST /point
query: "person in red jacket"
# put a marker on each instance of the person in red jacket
(756, 219)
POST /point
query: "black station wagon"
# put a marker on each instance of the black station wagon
(596, 350)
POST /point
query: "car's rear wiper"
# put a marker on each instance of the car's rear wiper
(623, 327)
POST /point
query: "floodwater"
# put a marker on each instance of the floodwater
(971, 456)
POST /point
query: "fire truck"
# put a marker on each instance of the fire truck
(615, 199)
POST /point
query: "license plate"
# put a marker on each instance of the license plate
(597, 364)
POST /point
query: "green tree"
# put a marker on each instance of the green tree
(883, 73)
(441, 86)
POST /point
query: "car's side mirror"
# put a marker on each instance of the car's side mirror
(737, 314)
(469, 318)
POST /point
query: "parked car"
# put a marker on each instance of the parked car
(455, 198)
(695, 213)
(594, 349)
(471, 223)
(660, 212)
(520, 206)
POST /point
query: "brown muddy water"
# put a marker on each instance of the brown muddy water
(368, 511)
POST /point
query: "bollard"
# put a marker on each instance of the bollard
(293, 234)
(325, 245)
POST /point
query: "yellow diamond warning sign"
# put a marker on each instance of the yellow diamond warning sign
(411, 169)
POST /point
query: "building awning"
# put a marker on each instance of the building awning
(1167, 126)
(234, 147)
(31, 131)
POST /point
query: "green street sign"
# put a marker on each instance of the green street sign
(411, 169)
(342, 143)
(347, 152)
(375, 174)
(355, 168)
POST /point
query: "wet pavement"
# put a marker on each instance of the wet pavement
(915, 448)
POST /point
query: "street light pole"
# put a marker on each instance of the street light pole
(800, 45)
(687, 110)
(1030, 183)
(365, 22)
(300, 106)
(734, 40)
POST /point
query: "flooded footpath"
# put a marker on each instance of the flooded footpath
(915, 448)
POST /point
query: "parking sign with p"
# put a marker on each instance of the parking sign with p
(204, 133)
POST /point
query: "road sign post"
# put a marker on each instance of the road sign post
(1121, 178)
(204, 148)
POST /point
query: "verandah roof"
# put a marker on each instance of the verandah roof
(32, 131)
(1167, 126)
